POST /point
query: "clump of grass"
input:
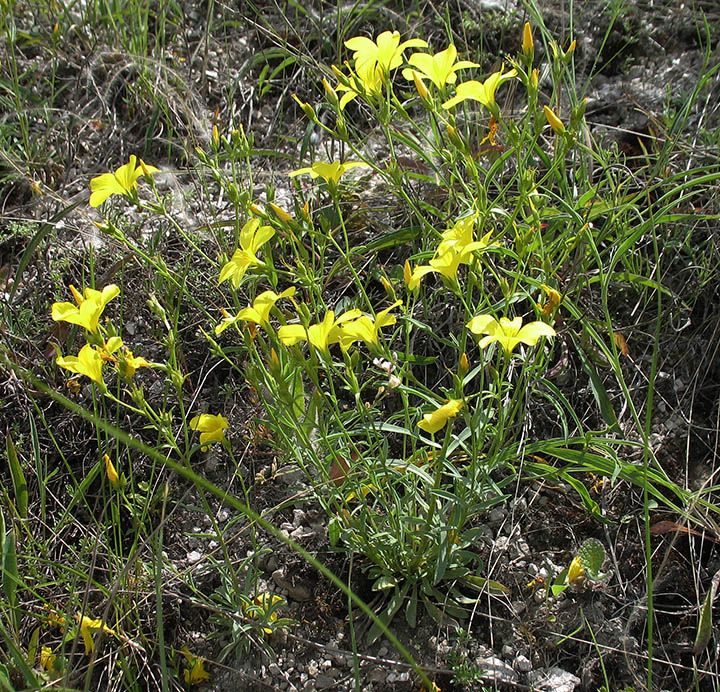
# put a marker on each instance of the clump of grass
(408, 360)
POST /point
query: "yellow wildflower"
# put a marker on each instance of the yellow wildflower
(440, 68)
(329, 172)
(365, 328)
(575, 570)
(88, 362)
(432, 422)
(484, 92)
(385, 54)
(112, 473)
(321, 335)
(196, 673)
(211, 428)
(88, 627)
(252, 238)
(88, 308)
(264, 608)
(508, 333)
(259, 313)
(554, 121)
(122, 182)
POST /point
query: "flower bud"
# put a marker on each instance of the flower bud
(464, 365)
(528, 46)
(420, 86)
(554, 121)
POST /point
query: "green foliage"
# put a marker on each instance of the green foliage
(406, 321)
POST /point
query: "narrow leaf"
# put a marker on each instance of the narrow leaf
(18, 479)
(704, 631)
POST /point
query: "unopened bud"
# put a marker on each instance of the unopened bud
(464, 365)
(420, 86)
(307, 109)
(528, 46)
(554, 121)
(280, 212)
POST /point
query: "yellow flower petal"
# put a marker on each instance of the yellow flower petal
(211, 428)
(432, 422)
(575, 570)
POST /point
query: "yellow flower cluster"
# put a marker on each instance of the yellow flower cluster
(89, 306)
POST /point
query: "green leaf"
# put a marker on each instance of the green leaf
(384, 582)
(592, 556)
(481, 585)
(10, 576)
(411, 608)
(598, 389)
(395, 603)
(560, 583)
(18, 479)
(704, 631)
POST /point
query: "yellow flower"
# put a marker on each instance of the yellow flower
(88, 362)
(88, 308)
(259, 312)
(484, 92)
(367, 83)
(440, 68)
(47, 658)
(508, 333)
(196, 673)
(321, 335)
(386, 53)
(432, 422)
(128, 363)
(456, 248)
(365, 328)
(210, 427)
(330, 172)
(575, 570)
(554, 299)
(112, 473)
(265, 609)
(252, 239)
(88, 627)
(554, 121)
(122, 182)
(461, 236)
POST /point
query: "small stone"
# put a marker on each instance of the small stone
(324, 682)
(552, 680)
(496, 669)
(193, 557)
(312, 669)
(376, 674)
(496, 515)
(522, 664)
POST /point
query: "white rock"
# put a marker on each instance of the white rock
(552, 680)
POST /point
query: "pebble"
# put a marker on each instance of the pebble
(496, 515)
(552, 680)
(376, 674)
(522, 664)
(193, 557)
(324, 682)
(297, 592)
(496, 669)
